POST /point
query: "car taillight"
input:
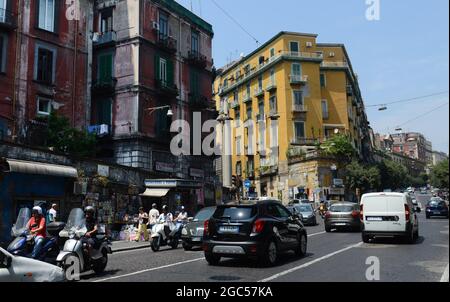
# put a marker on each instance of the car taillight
(206, 228)
(355, 214)
(328, 214)
(258, 226)
(407, 213)
(361, 214)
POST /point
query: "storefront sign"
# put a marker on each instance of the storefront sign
(164, 167)
(103, 170)
(196, 172)
(338, 182)
(337, 191)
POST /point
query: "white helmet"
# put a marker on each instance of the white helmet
(37, 209)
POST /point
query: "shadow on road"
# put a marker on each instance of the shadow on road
(397, 241)
(107, 273)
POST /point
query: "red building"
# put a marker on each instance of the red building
(46, 64)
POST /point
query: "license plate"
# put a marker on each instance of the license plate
(374, 219)
(196, 239)
(229, 229)
(437, 213)
(339, 224)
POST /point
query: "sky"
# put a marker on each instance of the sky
(403, 55)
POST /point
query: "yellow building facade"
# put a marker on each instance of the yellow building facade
(283, 99)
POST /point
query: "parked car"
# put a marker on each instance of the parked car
(436, 207)
(192, 233)
(389, 215)
(259, 231)
(343, 215)
(308, 214)
(20, 269)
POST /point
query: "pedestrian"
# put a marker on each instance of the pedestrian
(52, 213)
(142, 229)
(153, 216)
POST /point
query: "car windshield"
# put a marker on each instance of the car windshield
(436, 203)
(76, 219)
(303, 209)
(22, 218)
(341, 208)
(204, 214)
(235, 213)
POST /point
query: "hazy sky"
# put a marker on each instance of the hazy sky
(403, 55)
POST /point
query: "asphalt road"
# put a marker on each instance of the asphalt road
(336, 256)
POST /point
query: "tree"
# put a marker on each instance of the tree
(394, 176)
(340, 147)
(363, 177)
(439, 175)
(63, 138)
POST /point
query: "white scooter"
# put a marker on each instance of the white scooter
(160, 238)
(74, 255)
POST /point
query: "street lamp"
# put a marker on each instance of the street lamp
(153, 109)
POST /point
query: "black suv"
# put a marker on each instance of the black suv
(258, 231)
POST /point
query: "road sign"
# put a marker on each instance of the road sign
(247, 184)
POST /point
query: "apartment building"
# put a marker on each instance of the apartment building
(284, 98)
(414, 145)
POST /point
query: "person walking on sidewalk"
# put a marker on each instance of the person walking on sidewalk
(143, 221)
(153, 215)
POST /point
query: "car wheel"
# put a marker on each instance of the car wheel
(100, 264)
(410, 237)
(270, 256)
(212, 259)
(327, 229)
(365, 238)
(302, 245)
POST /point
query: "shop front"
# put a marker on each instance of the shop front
(25, 184)
(175, 193)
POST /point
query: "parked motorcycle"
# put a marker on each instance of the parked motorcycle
(166, 234)
(24, 241)
(76, 252)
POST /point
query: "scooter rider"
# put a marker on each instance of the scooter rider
(167, 218)
(91, 227)
(37, 227)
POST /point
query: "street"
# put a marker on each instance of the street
(331, 257)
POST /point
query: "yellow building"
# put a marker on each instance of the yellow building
(284, 98)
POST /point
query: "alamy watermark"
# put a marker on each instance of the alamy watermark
(73, 10)
(373, 271)
(373, 10)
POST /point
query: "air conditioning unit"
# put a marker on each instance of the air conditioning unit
(309, 44)
(332, 54)
(156, 26)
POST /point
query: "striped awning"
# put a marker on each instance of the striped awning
(28, 167)
(155, 192)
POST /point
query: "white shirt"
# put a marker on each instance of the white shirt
(167, 218)
(153, 215)
(52, 213)
(182, 216)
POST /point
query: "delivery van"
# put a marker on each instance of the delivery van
(389, 215)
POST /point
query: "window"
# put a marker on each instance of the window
(261, 107)
(260, 82)
(323, 80)
(195, 42)
(163, 24)
(46, 17)
(236, 96)
(105, 68)
(238, 147)
(43, 106)
(247, 69)
(248, 90)
(250, 167)
(249, 111)
(325, 109)
(296, 70)
(2, 10)
(350, 111)
(273, 104)
(44, 64)
(272, 52)
(272, 76)
(299, 130)
(237, 117)
(163, 70)
(106, 20)
(293, 47)
(3, 49)
(225, 83)
(298, 98)
(104, 112)
(194, 82)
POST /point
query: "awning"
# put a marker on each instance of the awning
(155, 192)
(27, 167)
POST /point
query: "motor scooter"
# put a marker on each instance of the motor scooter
(166, 234)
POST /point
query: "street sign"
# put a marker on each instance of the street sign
(247, 184)
(338, 182)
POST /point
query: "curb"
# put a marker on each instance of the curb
(130, 248)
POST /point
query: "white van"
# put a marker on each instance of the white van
(389, 215)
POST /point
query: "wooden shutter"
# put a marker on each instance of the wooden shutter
(157, 77)
(170, 72)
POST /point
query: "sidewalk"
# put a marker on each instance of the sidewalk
(120, 246)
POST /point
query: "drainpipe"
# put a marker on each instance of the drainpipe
(74, 85)
(16, 68)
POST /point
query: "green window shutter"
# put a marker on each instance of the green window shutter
(157, 67)
(170, 72)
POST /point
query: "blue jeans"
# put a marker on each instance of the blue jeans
(38, 243)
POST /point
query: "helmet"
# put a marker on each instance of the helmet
(38, 210)
(89, 209)
(165, 207)
(154, 205)
(182, 208)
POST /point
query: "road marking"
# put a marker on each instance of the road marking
(314, 234)
(445, 275)
(310, 263)
(150, 269)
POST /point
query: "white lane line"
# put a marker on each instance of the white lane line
(314, 234)
(444, 277)
(310, 263)
(150, 269)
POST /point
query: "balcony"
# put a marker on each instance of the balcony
(259, 92)
(349, 90)
(166, 43)
(334, 65)
(299, 108)
(247, 98)
(198, 101)
(271, 86)
(273, 114)
(105, 39)
(269, 169)
(234, 104)
(260, 118)
(106, 86)
(301, 141)
(197, 59)
(166, 88)
(298, 79)
(7, 19)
